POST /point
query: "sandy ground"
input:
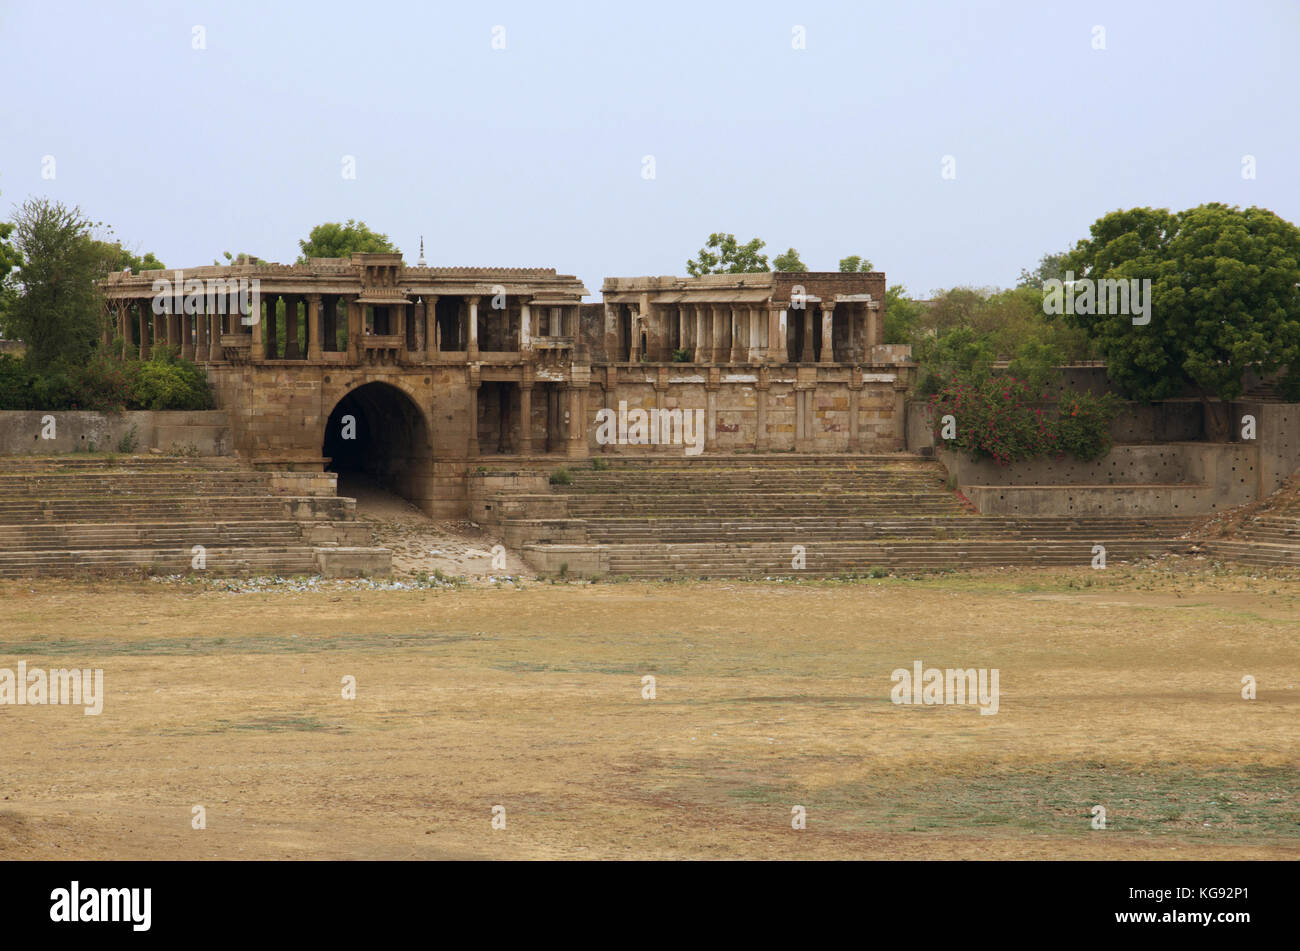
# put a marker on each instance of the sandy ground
(1120, 690)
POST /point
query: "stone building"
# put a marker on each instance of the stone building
(412, 375)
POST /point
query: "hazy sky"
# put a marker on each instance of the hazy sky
(533, 155)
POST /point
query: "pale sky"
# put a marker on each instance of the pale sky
(534, 155)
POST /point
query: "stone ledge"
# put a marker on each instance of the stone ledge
(353, 562)
(580, 561)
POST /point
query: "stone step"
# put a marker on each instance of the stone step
(219, 561)
(62, 515)
(150, 535)
(77, 462)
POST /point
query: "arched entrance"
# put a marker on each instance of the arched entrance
(376, 434)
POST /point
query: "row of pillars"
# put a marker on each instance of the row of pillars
(198, 336)
(194, 336)
(566, 412)
(730, 333)
(551, 323)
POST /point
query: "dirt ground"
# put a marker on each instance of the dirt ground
(422, 544)
(1119, 688)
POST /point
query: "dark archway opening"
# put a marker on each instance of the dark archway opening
(377, 436)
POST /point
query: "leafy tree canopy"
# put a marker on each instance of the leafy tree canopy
(56, 309)
(855, 263)
(722, 254)
(113, 257)
(788, 262)
(335, 240)
(1224, 298)
(1050, 267)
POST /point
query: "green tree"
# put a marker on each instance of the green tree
(854, 263)
(9, 256)
(111, 257)
(788, 262)
(57, 308)
(9, 259)
(728, 257)
(335, 240)
(955, 307)
(1224, 298)
(901, 314)
(1050, 266)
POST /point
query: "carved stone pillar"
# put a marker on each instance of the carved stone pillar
(828, 346)
(738, 323)
(526, 419)
(201, 343)
(257, 348)
(270, 337)
(160, 328)
(188, 330)
(577, 423)
(762, 442)
(855, 405)
(471, 345)
(430, 326)
(356, 329)
(142, 325)
(313, 327)
(124, 327)
(213, 322)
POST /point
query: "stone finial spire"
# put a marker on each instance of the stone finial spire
(421, 262)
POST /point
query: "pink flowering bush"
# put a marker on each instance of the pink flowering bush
(996, 418)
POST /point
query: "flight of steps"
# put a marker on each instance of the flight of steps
(80, 513)
(743, 517)
(1270, 541)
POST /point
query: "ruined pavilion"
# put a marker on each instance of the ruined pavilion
(443, 366)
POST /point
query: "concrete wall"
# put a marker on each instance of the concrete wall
(1277, 432)
(1168, 479)
(206, 433)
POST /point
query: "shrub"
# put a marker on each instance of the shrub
(129, 442)
(104, 384)
(995, 419)
(682, 356)
(1083, 426)
(165, 383)
(561, 477)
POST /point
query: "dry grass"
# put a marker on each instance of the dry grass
(1120, 688)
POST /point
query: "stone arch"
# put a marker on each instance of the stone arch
(388, 440)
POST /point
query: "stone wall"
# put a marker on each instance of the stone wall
(733, 399)
(279, 414)
(205, 433)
